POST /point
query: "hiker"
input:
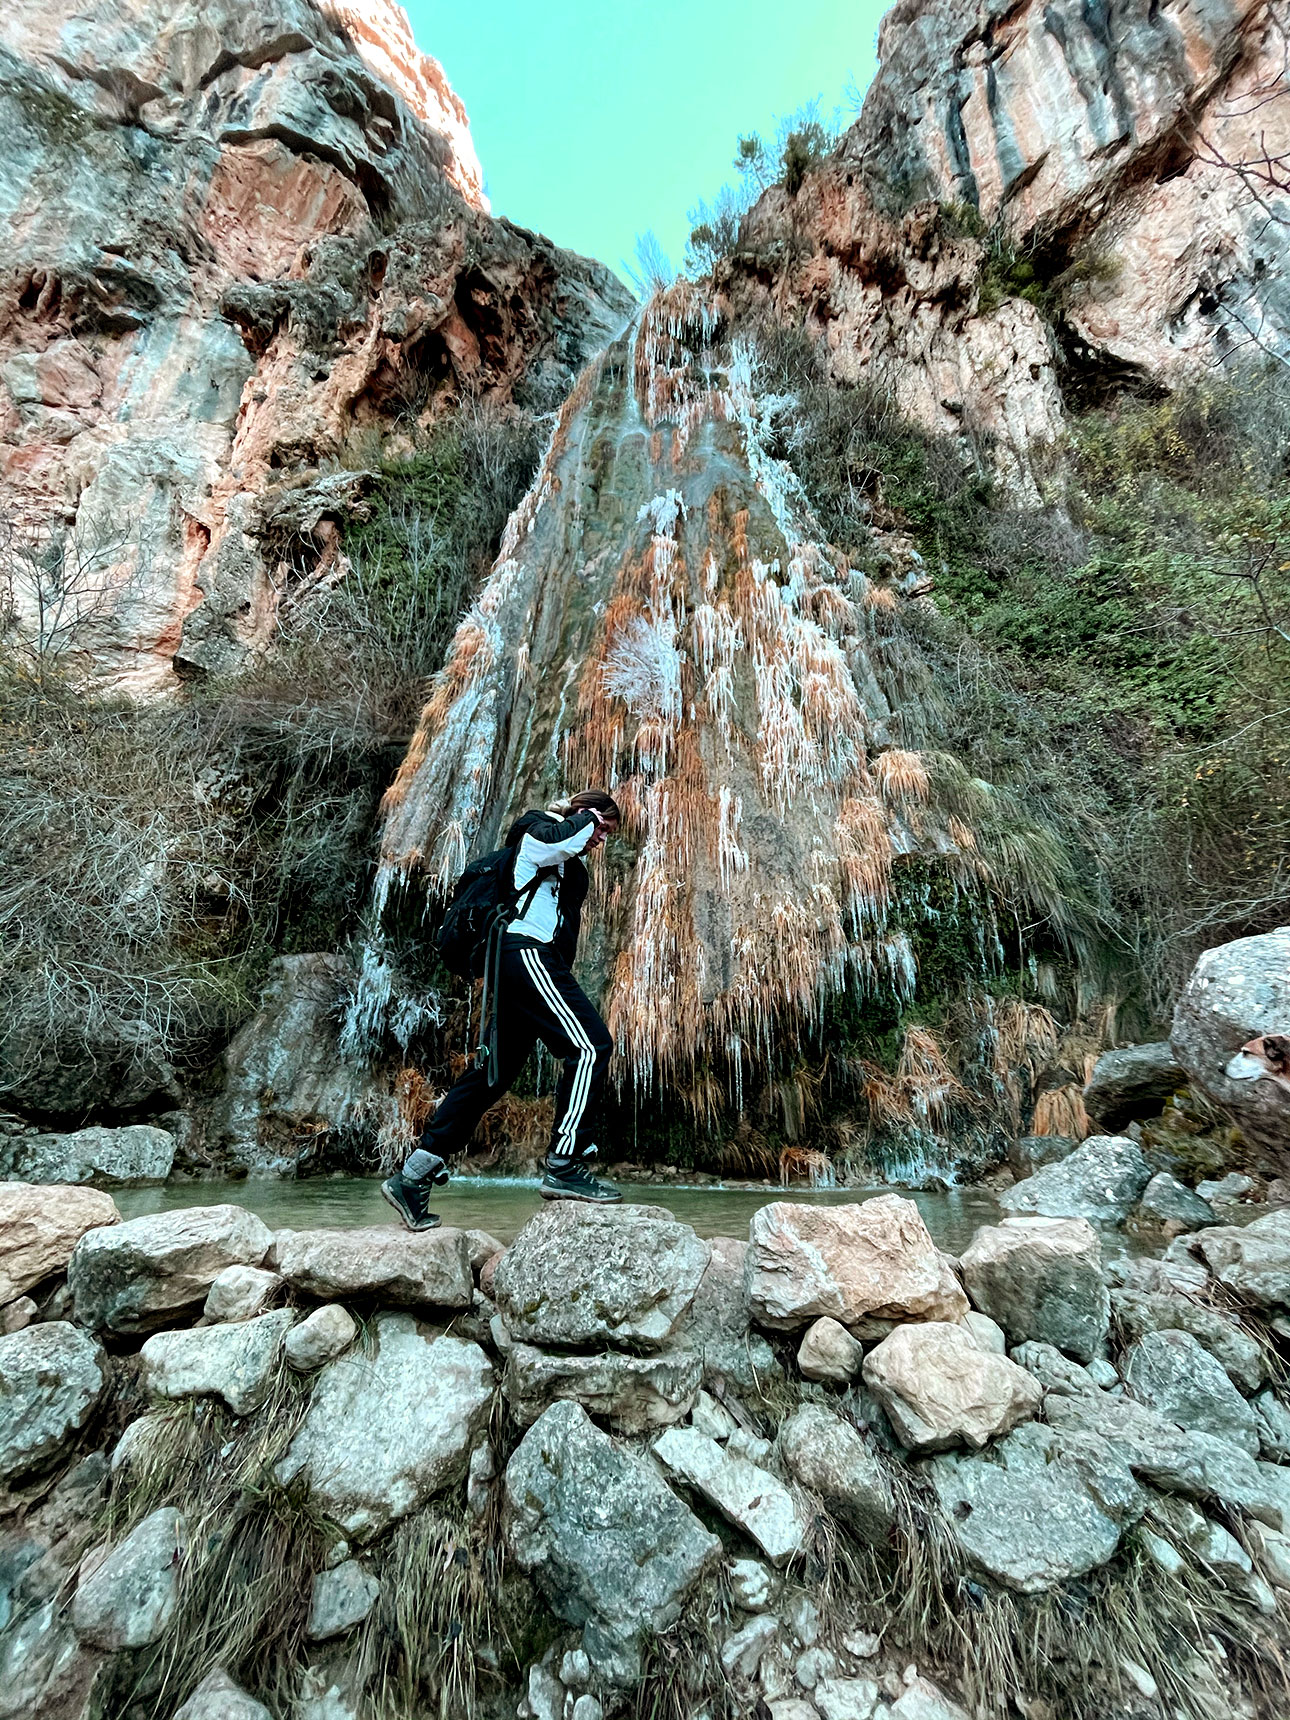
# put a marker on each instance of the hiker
(534, 996)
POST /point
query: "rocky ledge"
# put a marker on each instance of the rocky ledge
(616, 1459)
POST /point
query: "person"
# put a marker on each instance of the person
(537, 999)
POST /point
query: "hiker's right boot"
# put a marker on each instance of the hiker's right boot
(410, 1198)
(571, 1180)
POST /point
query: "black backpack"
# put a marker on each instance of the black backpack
(484, 899)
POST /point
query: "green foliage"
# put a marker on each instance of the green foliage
(801, 142)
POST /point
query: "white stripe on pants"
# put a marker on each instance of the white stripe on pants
(586, 1053)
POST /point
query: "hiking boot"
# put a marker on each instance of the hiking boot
(575, 1182)
(411, 1201)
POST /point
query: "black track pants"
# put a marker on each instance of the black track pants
(537, 999)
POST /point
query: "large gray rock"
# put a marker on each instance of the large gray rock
(51, 1378)
(136, 1276)
(1236, 994)
(1133, 1081)
(1168, 1201)
(1039, 1507)
(1252, 1260)
(39, 1228)
(1171, 1373)
(390, 1426)
(406, 1269)
(1138, 1312)
(609, 1544)
(1274, 1426)
(114, 1158)
(940, 1389)
(1030, 1153)
(236, 1362)
(342, 1598)
(749, 1496)
(585, 1276)
(867, 1258)
(1100, 1181)
(1176, 1460)
(828, 1455)
(126, 1597)
(1054, 1371)
(1041, 1279)
(218, 1698)
(716, 1324)
(633, 1394)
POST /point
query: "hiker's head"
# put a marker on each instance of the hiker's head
(604, 806)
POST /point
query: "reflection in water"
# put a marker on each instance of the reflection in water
(502, 1204)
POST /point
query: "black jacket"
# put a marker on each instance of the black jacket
(574, 881)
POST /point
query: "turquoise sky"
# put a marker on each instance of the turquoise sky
(595, 120)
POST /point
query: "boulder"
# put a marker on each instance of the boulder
(716, 1325)
(634, 1394)
(51, 1377)
(137, 1276)
(406, 1269)
(390, 1426)
(1133, 1081)
(923, 1700)
(826, 1454)
(609, 1544)
(320, 1337)
(1030, 1153)
(587, 1276)
(1238, 993)
(846, 1698)
(1100, 1181)
(235, 1362)
(15, 1315)
(1038, 1508)
(1137, 1312)
(753, 1586)
(1041, 1279)
(829, 1352)
(240, 1293)
(113, 1158)
(750, 1497)
(39, 1228)
(1228, 1190)
(1176, 1460)
(1170, 1372)
(867, 1258)
(986, 1333)
(218, 1698)
(742, 1651)
(940, 1389)
(342, 1598)
(1168, 1201)
(126, 1597)
(1253, 1260)
(1274, 1426)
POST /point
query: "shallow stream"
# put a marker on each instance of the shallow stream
(502, 1204)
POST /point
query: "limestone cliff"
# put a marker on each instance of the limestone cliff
(232, 237)
(1112, 149)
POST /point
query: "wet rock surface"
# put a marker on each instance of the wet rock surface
(51, 1378)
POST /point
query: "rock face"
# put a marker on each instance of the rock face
(1237, 993)
(581, 1276)
(136, 1276)
(344, 245)
(128, 1596)
(1169, 1201)
(1101, 1181)
(1041, 1278)
(39, 1228)
(608, 1542)
(320, 1337)
(749, 1496)
(1090, 129)
(1138, 1312)
(112, 1158)
(848, 1262)
(940, 1389)
(1132, 1082)
(827, 1455)
(716, 1324)
(387, 1430)
(633, 1394)
(235, 1362)
(424, 1269)
(51, 1377)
